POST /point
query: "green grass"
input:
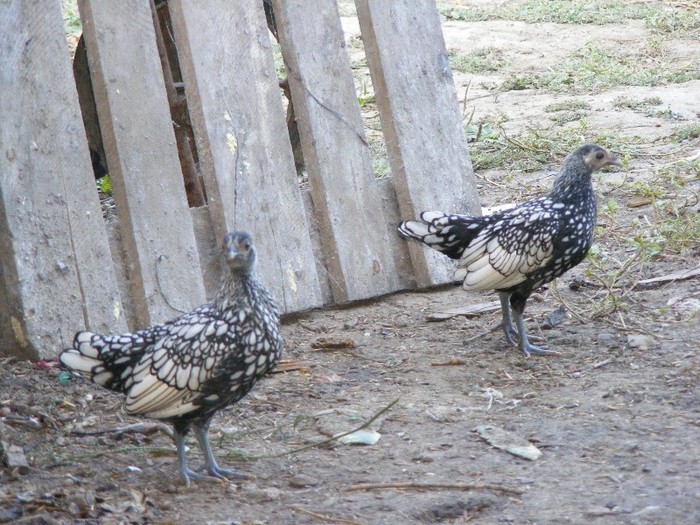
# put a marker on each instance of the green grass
(681, 235)
(560, 12)
(647, 189)
(538, 146)
(636, 105)
(520, 82)
(672, 236)
(278, 60)
(71, 17)
(104, 185)
(379, 158)
(72, 24)
(646, 106)
(677, 175)
(568, 105)
(468, 14)
(569, 110)
(485, 60)
(687, 132)
(593, 69)
(680, 22)
(658, 18)
(577, 11)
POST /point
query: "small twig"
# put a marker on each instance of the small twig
(452, 362)
(622, 320)
(337, 114)
(519, 144)
(602, 363)
(558, 296)
(464, 102)
(489, 181)
(113, 451)
(433, 486)
(480, 335)
(329, 343)
(25, 421)
(329, 440)
(136, 428)
(309, 327)
(290, 366)
(323, 517)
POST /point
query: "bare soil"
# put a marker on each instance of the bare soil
(616, 416)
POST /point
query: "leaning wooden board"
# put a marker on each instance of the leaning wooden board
(347, 204)
(56, 272)
(159, 244)
(420, 118)
(242, 141)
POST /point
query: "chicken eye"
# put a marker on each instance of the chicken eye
(600, 155)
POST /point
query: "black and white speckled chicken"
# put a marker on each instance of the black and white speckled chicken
(518, 250)
(187, 369)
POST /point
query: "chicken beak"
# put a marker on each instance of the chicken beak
(232, 252)
(615, 161)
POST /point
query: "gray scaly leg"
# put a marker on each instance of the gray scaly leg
(524, 344)
(507, 321)
(212, 467)
(185, 473)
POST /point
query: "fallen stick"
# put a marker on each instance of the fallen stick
(136, 428)
(675, 276)
(466, 311)
(331, 343)
(336, 438)
(323, 517)
(289, 365)
(453, 361)
(433, 486)
(602, 363)
(480, 335)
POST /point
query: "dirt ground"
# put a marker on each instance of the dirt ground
(616, 416)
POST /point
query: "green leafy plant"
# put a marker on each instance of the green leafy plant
(104, 185)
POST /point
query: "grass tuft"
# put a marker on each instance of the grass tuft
(636, 105)
(593, 69)
(485, 60)
(680, 22)
(687, 132)
(657, 18)
(569, 110)
(538, 146)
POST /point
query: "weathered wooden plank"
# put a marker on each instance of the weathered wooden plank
(178, 106)
(420, 118)
(55, 262)
(397, 246)
(156, 226)
(246, 159)
(350, 216)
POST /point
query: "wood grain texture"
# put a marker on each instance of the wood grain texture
(162, 258)
(244, 150)
(350, 216)
(55, 262)
(420, 118)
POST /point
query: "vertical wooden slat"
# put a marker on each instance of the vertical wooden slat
(420, 118)
(56, 268)
(161, 251)
(246, 159)
(348, 207)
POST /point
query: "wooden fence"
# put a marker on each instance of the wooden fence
(64, 267)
